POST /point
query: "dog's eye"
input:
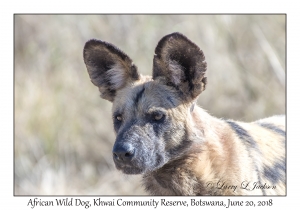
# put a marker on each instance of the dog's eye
(119, 117)
(158, 116)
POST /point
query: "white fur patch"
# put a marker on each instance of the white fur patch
(177, 74)
(116, 75)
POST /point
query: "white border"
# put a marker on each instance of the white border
(8, 201)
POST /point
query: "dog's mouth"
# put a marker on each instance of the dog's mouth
(128, 168)
(139, 165)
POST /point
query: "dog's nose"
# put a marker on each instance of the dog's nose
(123, 152)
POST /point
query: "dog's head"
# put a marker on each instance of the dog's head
(150, 114)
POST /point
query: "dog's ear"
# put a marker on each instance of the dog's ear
(181, 64)
(109, 68)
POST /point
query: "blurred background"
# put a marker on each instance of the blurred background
(63, 129)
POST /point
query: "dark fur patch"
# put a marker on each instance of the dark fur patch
(124, 129)
(181, 148)
(171, 101)
(94, 42)
(273, 173)
(273, 128)
(249, 143)
(243, 134)
(181, 63)
(184, 145)
(139, 95)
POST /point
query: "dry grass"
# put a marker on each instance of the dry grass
(63, 130)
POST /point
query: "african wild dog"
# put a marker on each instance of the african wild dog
(178, 147)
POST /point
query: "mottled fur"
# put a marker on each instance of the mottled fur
(178, 147)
